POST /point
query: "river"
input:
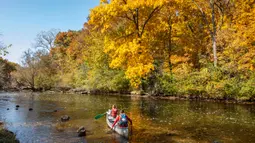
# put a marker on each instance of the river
(153, 120)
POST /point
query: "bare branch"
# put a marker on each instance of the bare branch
(45, 39)
(149, 17)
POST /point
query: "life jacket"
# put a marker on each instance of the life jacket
(114, 112)
(123, 122)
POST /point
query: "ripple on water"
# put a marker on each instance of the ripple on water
(153, 120)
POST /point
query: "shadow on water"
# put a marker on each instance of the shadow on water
(153, 120)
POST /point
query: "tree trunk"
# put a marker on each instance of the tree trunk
(213, 34)
(170, 45)
(214, 52)
(213, 31)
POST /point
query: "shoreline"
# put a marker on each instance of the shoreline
(140, 94)
(215, 100)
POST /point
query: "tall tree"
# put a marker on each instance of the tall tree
(29, 68)
(127, 25)
(215, 10)
(61, 53)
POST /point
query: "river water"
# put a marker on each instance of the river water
(153, 120)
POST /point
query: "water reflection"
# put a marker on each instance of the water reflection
(153, 120)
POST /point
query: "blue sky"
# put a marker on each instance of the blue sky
(22, 20)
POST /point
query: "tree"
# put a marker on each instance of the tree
(29, 68)
(64, 39)
(46, 77)
(37, 70)
(5, 72)
(63, 53)
(127, 26)
(215, 10)
(45, 39)
(98, 74)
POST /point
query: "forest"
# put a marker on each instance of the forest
(182, 48)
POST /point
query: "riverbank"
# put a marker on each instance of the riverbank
(205, 99)
(7, 136)
(190, 97)
(177, 96)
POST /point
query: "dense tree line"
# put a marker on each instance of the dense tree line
(6, 67)
(204, 48)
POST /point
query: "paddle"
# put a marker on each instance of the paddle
(99, 116)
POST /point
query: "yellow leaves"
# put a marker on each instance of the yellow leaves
(178, 59)
(240, 51)
(136, 73)
(251, 67)
(105, 27)
(131, 56)
(146, 3)
(129, 26)
(139, 31)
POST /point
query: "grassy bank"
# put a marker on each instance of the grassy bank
(7, 136)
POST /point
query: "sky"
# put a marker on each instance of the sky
(22, 20)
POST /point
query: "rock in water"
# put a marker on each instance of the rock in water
(81, 128)
(30, 109)
(17, 106)
(65, 118)
(81, 132)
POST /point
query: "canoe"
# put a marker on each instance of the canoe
(123, 131)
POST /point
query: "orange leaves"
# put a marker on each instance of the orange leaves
(68, 41)
(64, 39)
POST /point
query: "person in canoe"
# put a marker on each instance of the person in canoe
(114, 111)
(122, 119)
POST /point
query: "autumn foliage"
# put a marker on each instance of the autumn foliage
(171, 47)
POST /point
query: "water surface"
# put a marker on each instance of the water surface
(153, 120)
